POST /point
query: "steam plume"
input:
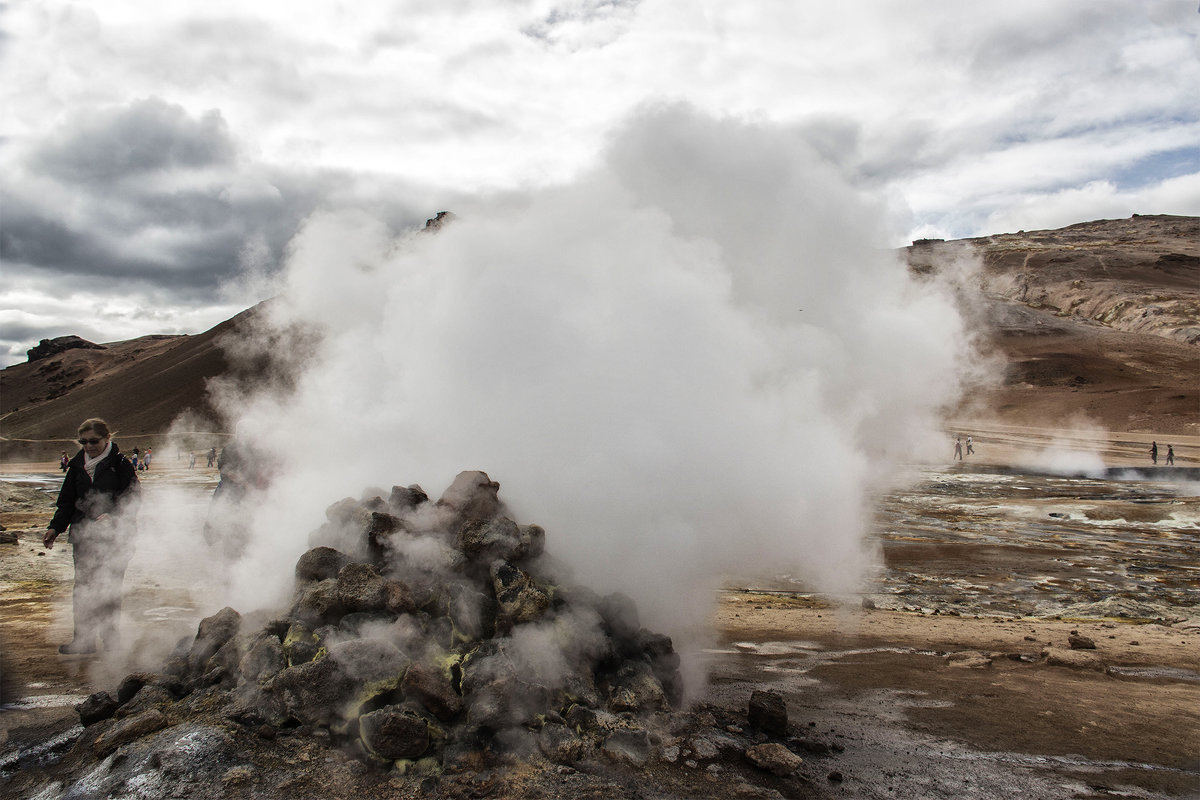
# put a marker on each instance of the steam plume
(692, 361)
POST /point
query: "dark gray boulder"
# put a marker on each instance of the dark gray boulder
(392, 733)
(97, 708)
(320, 563)
(768, 712)
(433, 688)
(360, 587)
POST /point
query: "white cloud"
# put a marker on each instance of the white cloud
(959, 113)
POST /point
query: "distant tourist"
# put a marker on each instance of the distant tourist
(146, 457)
(970, 447)
(1154, 452)
(244, 469)
(100, 485)
(192, 461)
(958, 448)
(62, 462)
(136, 459)
(1171, 455)
(212, 456)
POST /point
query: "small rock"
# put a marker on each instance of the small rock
(129, 730)
(969, 659)
(768, 712)
(835, 776)
(1080, 642)
(774, 758)
(237, 776)
(1062, 657)
(630, 746)
(703, 748)
(96, 708)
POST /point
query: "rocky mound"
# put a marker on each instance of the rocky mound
(430, 635)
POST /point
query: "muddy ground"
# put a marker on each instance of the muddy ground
(879, 688)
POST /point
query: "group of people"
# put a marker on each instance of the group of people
(958, 447)
(1154, 454)
(141, 460)
(98, 502)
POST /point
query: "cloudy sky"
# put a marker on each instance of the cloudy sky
(158, 158)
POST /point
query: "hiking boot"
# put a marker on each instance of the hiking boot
(77, 647)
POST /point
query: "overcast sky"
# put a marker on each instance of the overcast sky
(157, 157)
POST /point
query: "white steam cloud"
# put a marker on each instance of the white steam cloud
(695, 360)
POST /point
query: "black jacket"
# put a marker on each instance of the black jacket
(81, 497)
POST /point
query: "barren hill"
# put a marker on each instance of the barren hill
(142, 385)
(1096, 321)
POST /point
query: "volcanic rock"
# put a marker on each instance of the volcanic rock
(391, 733)
(631, 746)
(132, 684)
(559, 743)
(97, 708)
(774, 758)
(518, 597)
(129, 730)
(320, 563)
(360, 587)
(147, 698)
(768, 712)
(212, 634)
(438, 640)
(1078, 642)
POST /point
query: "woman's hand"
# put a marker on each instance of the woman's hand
(49, 537)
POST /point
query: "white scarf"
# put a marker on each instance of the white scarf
(90, 463)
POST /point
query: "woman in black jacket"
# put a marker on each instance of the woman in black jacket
(98, 497)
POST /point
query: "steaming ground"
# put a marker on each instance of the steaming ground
(698, 358)
(1020, 549)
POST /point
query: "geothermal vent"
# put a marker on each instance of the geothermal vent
(427, 633)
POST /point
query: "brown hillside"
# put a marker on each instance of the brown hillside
(140, 385)
(1097, 321)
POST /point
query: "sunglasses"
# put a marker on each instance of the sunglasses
(90, 441)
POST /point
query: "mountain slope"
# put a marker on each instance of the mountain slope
(1098, 321)
(140, 386)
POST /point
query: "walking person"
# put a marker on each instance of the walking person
(1170, 455)
(1154, 452)
(98, 498)
(970, 446)
(958, 448)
